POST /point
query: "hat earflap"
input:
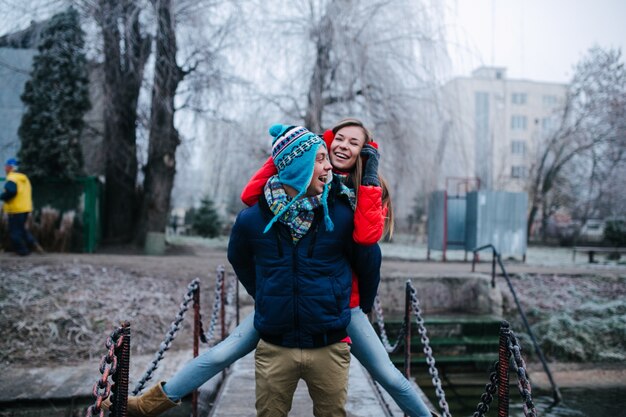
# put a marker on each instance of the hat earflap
(327, 221)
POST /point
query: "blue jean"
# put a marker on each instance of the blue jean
(20, 236)
(199, 370)
(366, 347)
(369, 350)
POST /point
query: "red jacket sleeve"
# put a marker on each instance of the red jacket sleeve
(369, 215)
(254, 188)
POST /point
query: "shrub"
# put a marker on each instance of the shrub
(615, 232)
(206, 221)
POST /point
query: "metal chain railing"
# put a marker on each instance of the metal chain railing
(231, 290)
(380, 322)
(117, 357)
(430, 359)
(169, 337)
(509, 346)
(487, 397)
(207, 337)
(497, 257)
(108, 368)
(523, 384)
(217, 301)
(519, 366)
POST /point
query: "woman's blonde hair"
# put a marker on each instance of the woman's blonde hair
(356, 174)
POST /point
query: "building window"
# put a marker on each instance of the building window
(518, 122)
(549, 100)
(518, 147)
(519, 98)
(518, 171)
(548, 124)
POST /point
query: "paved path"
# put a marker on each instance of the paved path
(236, 397)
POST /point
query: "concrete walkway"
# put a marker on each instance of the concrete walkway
(236, 397)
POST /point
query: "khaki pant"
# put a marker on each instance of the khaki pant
(325, 371)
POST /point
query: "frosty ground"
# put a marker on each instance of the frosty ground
(58, 308)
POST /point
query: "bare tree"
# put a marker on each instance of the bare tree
(369, 59)
(591, 123)
(164, 137)
(200, 59)
(126, 50)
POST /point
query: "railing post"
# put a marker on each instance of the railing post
(503, 370)
(196, 343)
(407, 334)
(237, 298)
(493, 269)
(120, 378)
(223, 301)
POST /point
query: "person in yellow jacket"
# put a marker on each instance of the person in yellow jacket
(18, 204)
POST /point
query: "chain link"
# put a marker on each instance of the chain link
(217, 302)
(231, 310)
(523, 384)
(108, 367)
(380, 322)
(175, 326)
(171, 334)
(430, 360)
(487, 397)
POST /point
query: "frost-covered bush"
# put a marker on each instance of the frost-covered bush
(591, 332)
(573, 317)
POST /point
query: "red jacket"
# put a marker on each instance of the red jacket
(369, 215)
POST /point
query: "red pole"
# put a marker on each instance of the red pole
(222, 307)
(196, 344)
(503, 370)
(237, 295)
(120, 378)
(445, 223)
(407, 335)
(493, 270)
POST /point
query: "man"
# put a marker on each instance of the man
(18, 204)
(293, 252)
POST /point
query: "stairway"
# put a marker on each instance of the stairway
(459, 342)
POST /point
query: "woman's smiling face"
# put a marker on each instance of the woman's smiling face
(346, 147)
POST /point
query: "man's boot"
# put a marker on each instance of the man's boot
(149, 404)
(39, 249)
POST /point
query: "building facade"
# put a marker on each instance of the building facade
(495, 126)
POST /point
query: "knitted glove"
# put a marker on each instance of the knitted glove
(370, 157)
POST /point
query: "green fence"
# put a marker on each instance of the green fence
(83, 195)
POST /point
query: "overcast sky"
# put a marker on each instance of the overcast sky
(534, 39)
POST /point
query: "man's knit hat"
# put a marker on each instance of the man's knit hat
(12, 162)
(293, 150)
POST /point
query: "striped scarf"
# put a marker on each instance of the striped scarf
(345, 190)
(299, 216)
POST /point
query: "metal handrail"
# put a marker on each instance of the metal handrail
(120, 386)
(556, 393)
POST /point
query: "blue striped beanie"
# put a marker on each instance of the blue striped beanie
(293, 150)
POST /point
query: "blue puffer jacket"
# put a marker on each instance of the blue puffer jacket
(302, 291)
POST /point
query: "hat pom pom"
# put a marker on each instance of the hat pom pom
(276, 129)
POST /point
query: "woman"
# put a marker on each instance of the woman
(354, 157)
